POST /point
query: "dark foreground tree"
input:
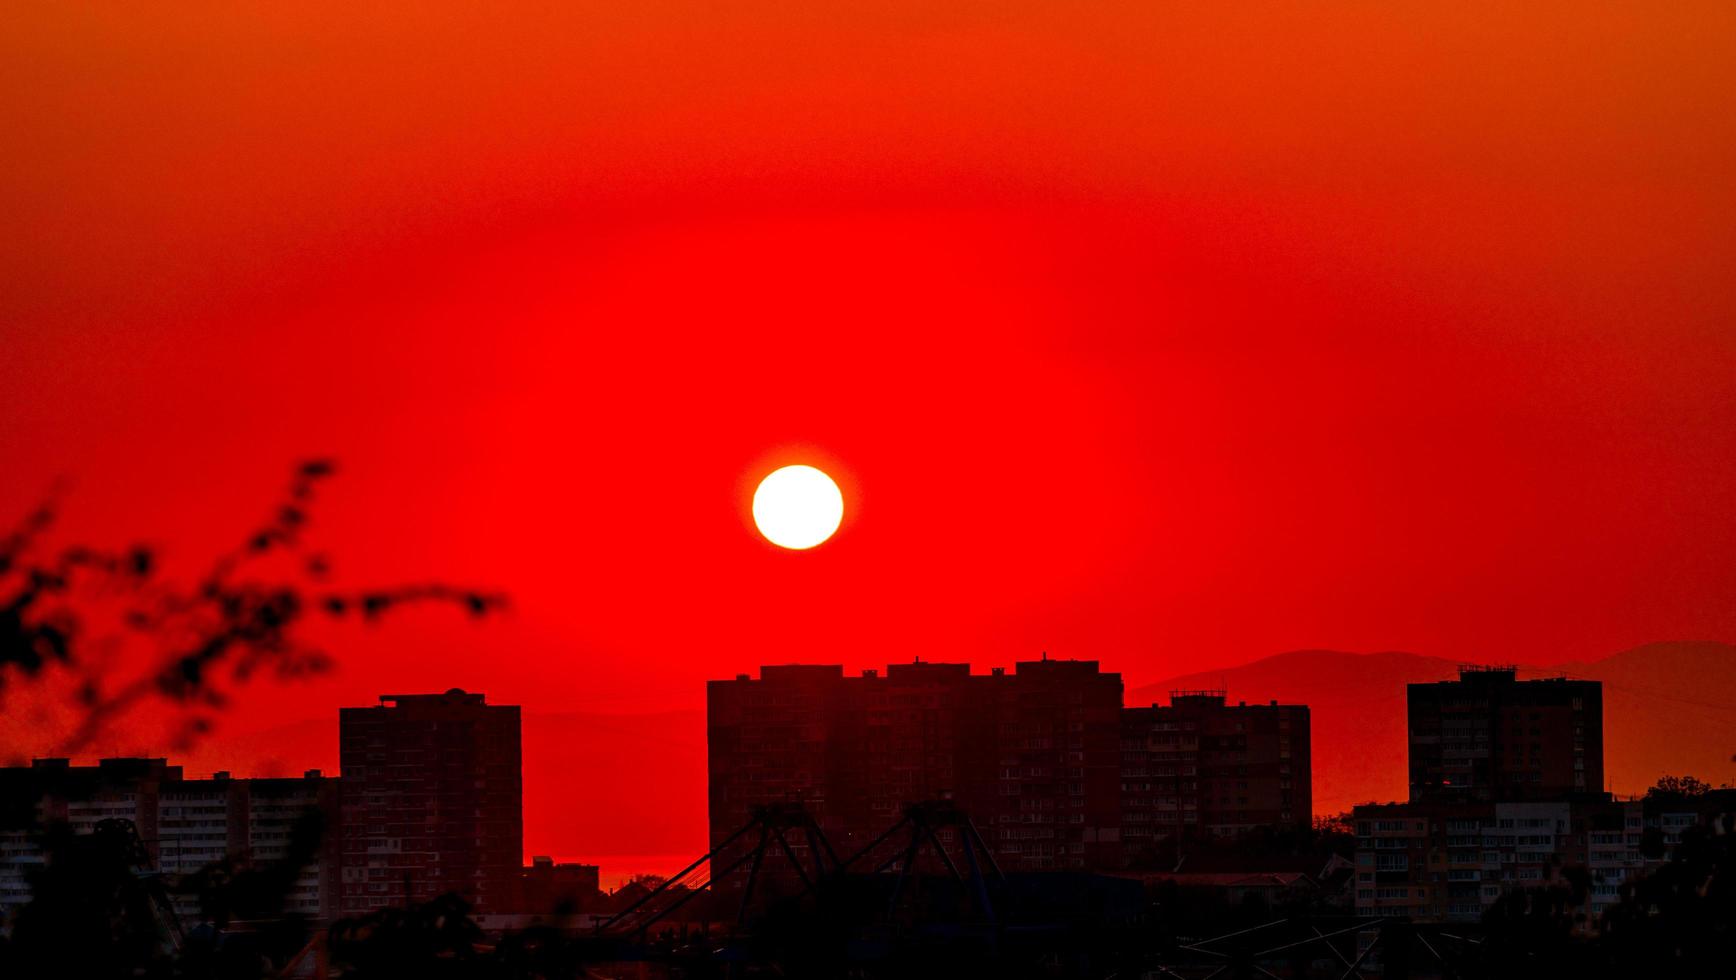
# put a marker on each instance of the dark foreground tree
(1679, 920)
(93, 913)
(1679, 787)
(1531, 931)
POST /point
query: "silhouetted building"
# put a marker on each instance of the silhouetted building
(1029, 755)
(1200, 766)
(1489, 736)
(185, 825)
(1058, 746)
(431, 802)
(1445, 860)
(281, 813)
(1032, 755)
(1505, 784)
(252, 823)
(549, 887)
(54, 792)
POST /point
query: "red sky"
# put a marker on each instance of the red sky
(1168, 335)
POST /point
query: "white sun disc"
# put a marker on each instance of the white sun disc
(797, 507)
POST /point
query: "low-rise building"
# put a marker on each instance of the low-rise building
(550, 887)
(185, 825)
(1441, 861)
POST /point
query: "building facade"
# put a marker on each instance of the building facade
(1200, 766)
(186, 825)
(551, 887)
(291, 817)
(431, 802)
(1505, 793)
(1491, 737)
(1442, 860)
(1043, 758)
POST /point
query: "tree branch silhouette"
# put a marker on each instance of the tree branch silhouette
(223, 629)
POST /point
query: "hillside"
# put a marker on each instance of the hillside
(1667, 708)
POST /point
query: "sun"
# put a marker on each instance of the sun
(797, 507)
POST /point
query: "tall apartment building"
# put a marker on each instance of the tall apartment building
(186, 825)
(431, 802)
(1058, 742)
(782, 738)
(1052, 770)
(203, 821)
(1200, 766)
(278, 811)
(1505, 792)
(1491, 737)
(1031, 754)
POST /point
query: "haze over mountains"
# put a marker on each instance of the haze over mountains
(1668, 708)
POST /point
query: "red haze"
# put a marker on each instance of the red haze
(1167, 337)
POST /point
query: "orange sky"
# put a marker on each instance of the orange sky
(1171, 335)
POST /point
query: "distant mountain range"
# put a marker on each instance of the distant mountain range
(1668, 708)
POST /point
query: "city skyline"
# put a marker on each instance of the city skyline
(1034, 780)
(907, 737)
(652, 833)
(1333, 372)
(868, 489)
(619, 866)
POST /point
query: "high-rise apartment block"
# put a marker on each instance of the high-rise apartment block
(431, 802)
(1200, 766)
(1505, 792)
(1049, 766)
(1491, 737)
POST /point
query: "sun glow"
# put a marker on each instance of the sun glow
(797, 507)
